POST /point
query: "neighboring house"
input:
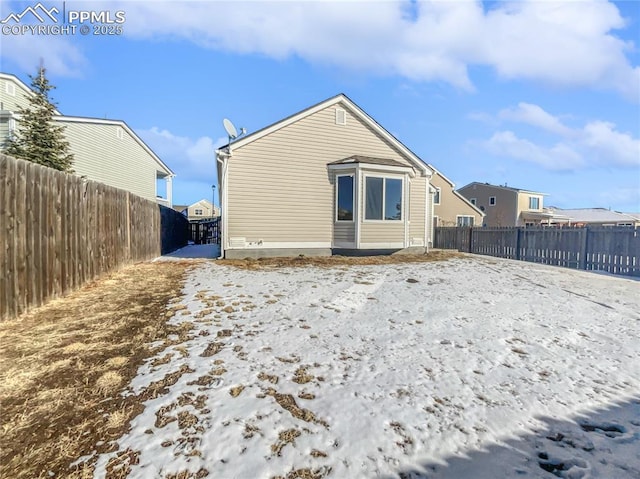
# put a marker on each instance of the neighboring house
(328, 179)
(595, 217)
(180, 208)
(507, 206)
(107, 151)
(450, 208)
(201, 210)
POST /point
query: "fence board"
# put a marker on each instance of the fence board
(58, 231)
(612, 249)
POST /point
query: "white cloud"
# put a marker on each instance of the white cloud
(559, 157)
(611, 147)
(536, 116)
(596, 144)
(190, 159)
(628, 198)
(561, 43)
(60, 56)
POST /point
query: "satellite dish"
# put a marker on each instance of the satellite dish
(231, 130)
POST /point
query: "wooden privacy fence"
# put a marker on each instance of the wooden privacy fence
(612, 249)
(58, 231)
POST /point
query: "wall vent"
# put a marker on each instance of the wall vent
(341, 116)
(237, 242)
(10, 88)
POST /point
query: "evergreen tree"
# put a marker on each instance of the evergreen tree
(38, 138)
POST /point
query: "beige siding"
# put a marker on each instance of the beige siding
(451, 205)
(503, 213)
(344, 232)
(208, 210)
(382, 232)
(101, 156)
(279, 189)
(4, 131)
(417, 213)
(14, 102)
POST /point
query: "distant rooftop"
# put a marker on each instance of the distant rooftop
(504, 187)
(594, 215)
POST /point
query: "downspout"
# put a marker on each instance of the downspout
(223, 159)
(427, 221)
(433, 210)
(359, 212)
(406, 194)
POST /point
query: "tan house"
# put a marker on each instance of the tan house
(200, 210)
(507, 206)
(450, 208)
(108, 151)
(328, 179)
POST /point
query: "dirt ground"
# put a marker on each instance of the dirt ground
(64, 366)
(332, 261)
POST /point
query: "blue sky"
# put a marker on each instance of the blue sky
(539, 95)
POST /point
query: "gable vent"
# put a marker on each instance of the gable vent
(10, 88)
(341, 116)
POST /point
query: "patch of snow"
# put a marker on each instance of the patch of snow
(474, 368)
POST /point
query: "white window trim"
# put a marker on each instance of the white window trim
(353, 199)
(534, 198)
(473, 219)
(198, 212)
(494, 201)
(473, 201)
(384, 188)
(438, 193)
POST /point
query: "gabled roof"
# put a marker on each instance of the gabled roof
(503, 187)
(78, 119)
(125, 127)
(353, 108)
(453, 189)
(23, 86)
(206, 203)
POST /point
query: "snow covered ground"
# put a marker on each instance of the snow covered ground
(473, 367)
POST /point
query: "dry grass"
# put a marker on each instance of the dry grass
(288, 402)
(331, 261)
(285, 437)
(62, 367)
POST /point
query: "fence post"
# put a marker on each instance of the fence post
(470, 240)
(518, 235)
(584, 244)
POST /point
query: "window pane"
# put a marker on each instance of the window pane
(373, 205)
(345, 198)
(465, 220)
(533, 203)
(436, 197)
(393, 199)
